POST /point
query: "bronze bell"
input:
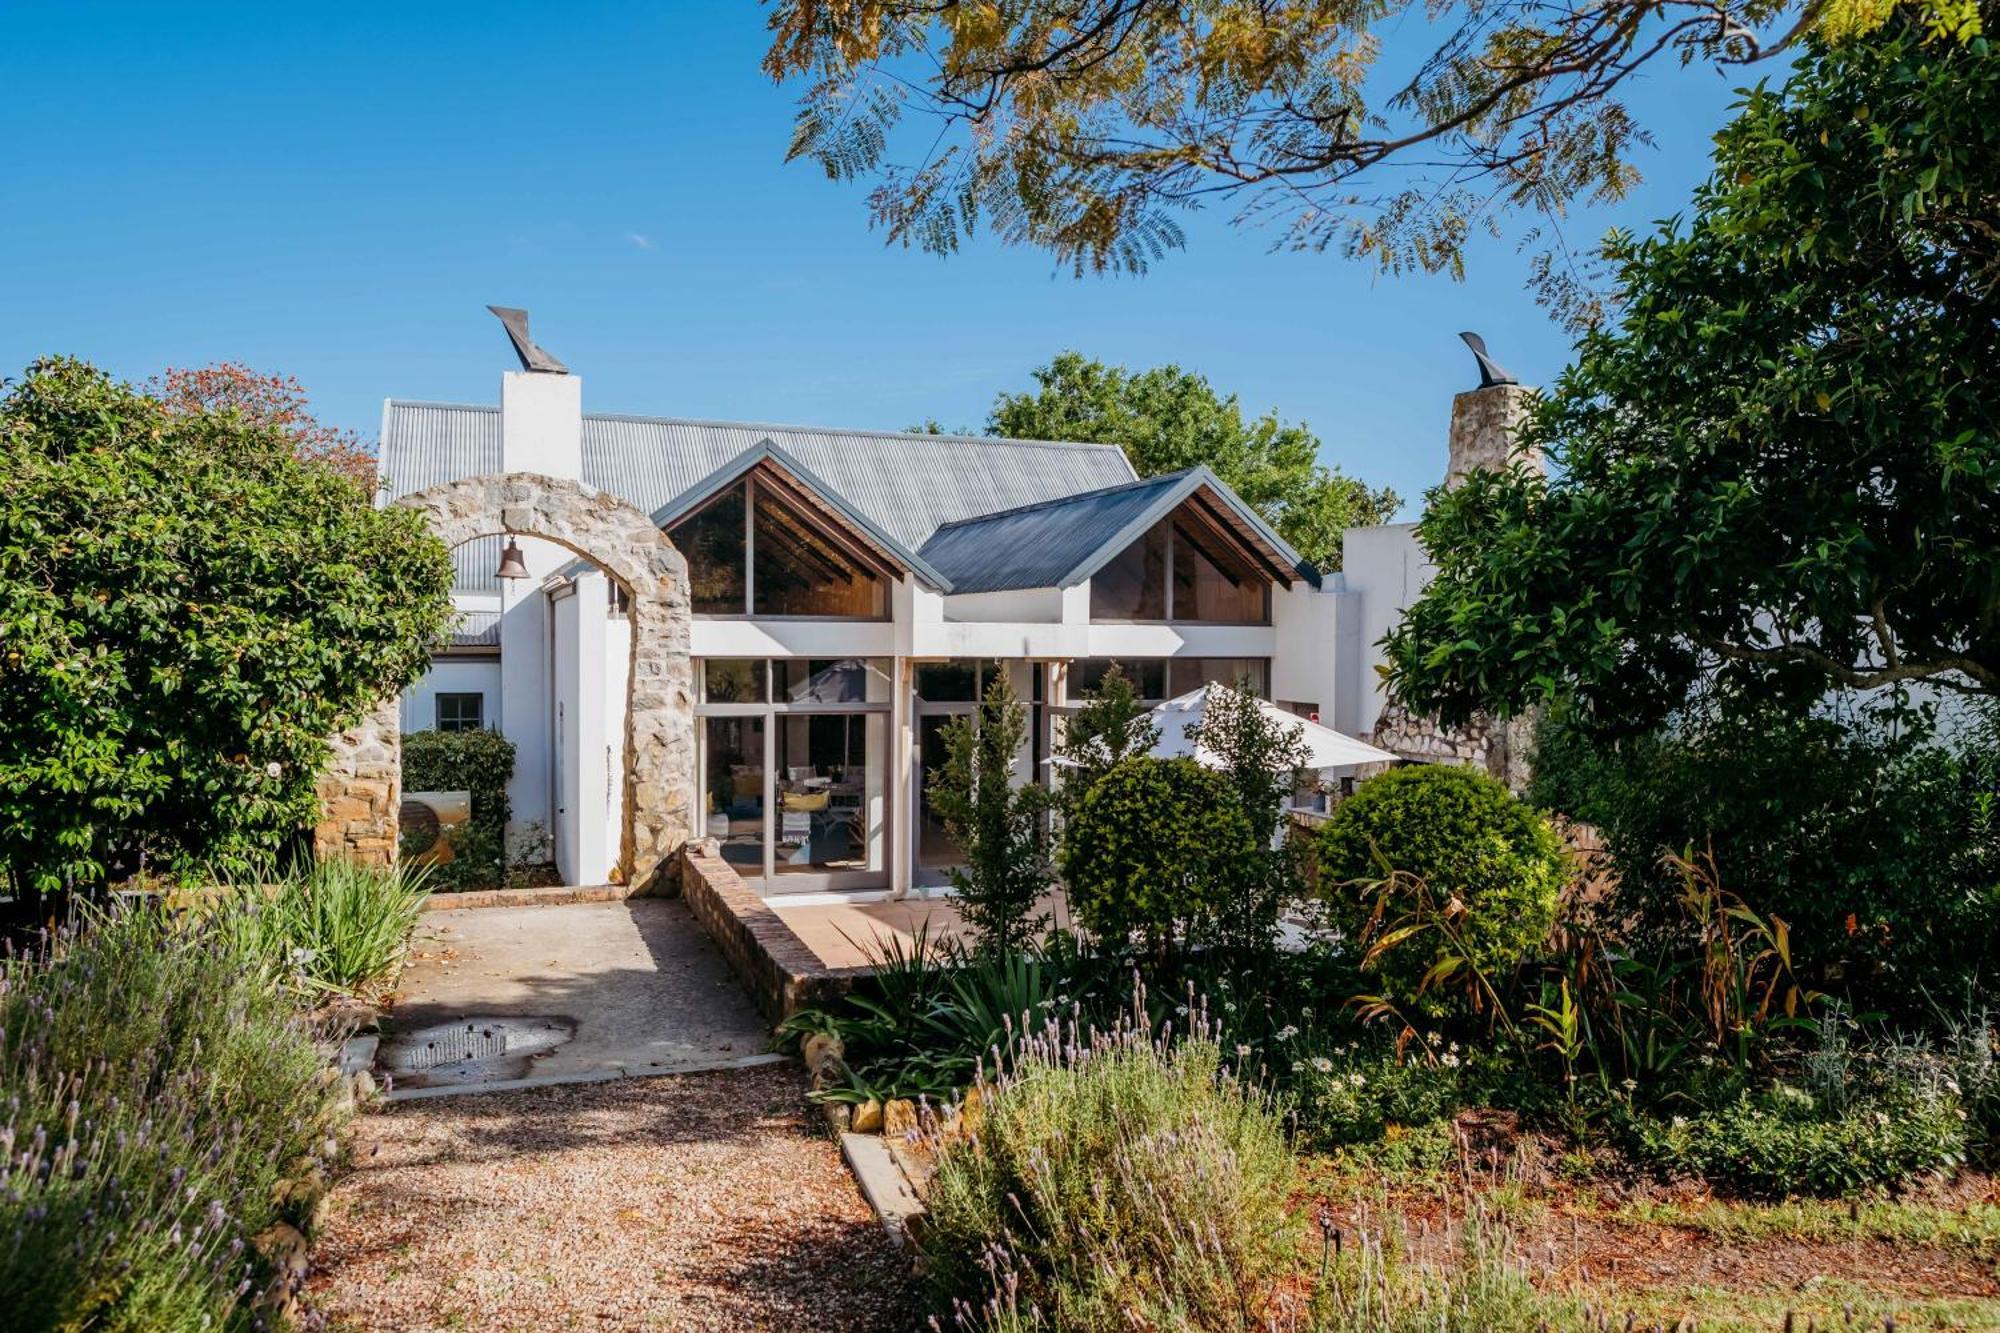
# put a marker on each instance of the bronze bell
(512, 566)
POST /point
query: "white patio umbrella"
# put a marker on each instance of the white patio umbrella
(1325, 747)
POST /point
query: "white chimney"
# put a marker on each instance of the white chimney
(541, 408)
(541, 424)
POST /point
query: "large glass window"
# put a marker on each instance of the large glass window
(797, 571)
(1181, 569)
(1211, 582)
(1187, 674)
(961, 680)
(1133, 584)
(733, 779)
(712, 540)
(1147, 674)
(1158, 679)
(777, 562)
(846, 680)
(727, 680)
(829, 794)
(795, 757)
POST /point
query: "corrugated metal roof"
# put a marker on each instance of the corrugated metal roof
(476, 629)
(1059, 543)
(908, 485)
(1039, 545)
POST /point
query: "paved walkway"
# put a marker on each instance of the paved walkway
(701, 1201)
(572, 992)
(852, 934)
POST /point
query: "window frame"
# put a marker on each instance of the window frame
(458, 699)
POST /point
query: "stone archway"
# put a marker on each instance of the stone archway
(659, 713)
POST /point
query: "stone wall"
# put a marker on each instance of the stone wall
(361, 788)
(1496, 747)
(659, 717)
(1483, 422)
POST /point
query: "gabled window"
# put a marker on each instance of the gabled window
(1183, 568)
(755, 550)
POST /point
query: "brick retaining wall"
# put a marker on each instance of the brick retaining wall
(783, 975)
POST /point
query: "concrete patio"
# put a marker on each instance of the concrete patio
(854, 933)
(576, 992)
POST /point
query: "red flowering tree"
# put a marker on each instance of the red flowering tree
(274, 401)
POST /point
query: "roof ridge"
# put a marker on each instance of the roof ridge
(914, 436)
(1051, 503)
(796, 429)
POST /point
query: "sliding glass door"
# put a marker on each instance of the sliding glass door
(795, 764)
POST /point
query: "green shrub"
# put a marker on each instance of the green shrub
(1116, 1184)
(339, 925)
(480, 762)
(1151, 850)
(933, 1011)
(159, 1083)
(1784, 1141)
(189, 612)
(1443, 877)
(1878, 847)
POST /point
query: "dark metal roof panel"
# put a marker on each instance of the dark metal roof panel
(1039, 546)
(908, 485)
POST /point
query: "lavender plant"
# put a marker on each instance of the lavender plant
(156, 1084)
(1116, 1179)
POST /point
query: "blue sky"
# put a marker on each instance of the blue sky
(338, 194)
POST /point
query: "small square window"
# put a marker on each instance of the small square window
(461, 712)
(733, 681)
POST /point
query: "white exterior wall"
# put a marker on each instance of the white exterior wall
(614, 671)
(526, 699)
(452, 675)
(591, 660)
(1305, 655)
(541, 430)
(541, 424)
(566, 733)
(1385, 570)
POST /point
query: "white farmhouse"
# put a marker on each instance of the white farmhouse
(852, 591)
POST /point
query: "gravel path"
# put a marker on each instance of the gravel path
(702, 1201)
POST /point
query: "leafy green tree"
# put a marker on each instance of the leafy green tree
(1167, 419)
(1087, 126)
(1111, 724)
(1261, 757)
(1781, 474)
(997, 822)
(1151, 851)
(1878, 845)
(188, 610)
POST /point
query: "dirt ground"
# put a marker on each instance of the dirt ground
(699, 1201)
(1929, 1258)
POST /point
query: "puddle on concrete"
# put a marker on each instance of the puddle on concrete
(471, 1050)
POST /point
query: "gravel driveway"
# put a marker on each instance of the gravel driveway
(698, 1201)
